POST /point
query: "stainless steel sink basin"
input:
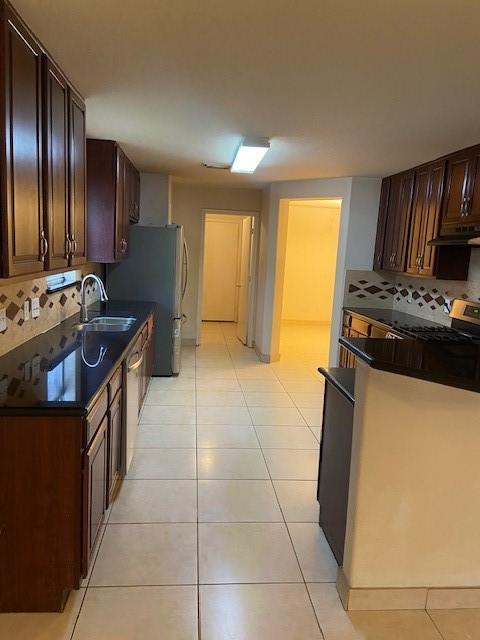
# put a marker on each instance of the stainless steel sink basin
(106, 323)
(112, 320)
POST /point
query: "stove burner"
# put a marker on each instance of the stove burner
(435, 333)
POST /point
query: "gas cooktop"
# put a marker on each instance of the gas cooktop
(435, 333)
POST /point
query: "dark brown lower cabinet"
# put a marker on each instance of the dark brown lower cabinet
(334, 467)
(58, 474)
(95, 473)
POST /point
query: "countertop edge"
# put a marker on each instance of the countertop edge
(427, 376)
(329, 374)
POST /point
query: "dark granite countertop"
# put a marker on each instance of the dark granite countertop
(63, 368)
(342, 379)
(391, 318)
(455, 364)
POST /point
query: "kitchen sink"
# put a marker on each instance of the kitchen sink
(106, 323)
(112, 320)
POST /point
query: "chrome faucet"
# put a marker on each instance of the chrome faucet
(82, 303)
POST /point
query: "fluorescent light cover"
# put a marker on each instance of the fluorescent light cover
(249, 155)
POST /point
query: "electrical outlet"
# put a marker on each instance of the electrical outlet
(35, 307)
(27, 371)
(26, 310)
(3, 319)
(35, 365)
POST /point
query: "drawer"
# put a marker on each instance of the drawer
(377, 332)
(96, 415)
(361, 326)
(114, 384)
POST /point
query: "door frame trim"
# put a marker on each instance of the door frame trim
(252, 293)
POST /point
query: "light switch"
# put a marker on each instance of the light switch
(3, 320)
(26, 310)
(35, 307)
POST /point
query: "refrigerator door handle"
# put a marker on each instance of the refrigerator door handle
(185, 272)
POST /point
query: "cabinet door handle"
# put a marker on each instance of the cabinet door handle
(462, 208)
(43, 245)
(74, 243)
(68, 246)
(467, 206)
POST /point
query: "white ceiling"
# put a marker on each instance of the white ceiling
(343, 87)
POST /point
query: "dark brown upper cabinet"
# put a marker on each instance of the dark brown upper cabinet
(42, 157)
(461, 205)
(24, 243)
(64, 171)
(56, 172)
(397, 222)
(439, 198)
(134, 204)
(111, 197)
(382, 221)
(425, 223)
(77, 179)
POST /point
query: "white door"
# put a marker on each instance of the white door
(244, 279)
(222, 239)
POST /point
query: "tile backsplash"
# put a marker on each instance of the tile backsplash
(54, 307)
(424, 297)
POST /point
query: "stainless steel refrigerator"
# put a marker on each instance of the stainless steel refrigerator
(156, 270)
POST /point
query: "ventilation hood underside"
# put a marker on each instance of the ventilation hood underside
(457, 239)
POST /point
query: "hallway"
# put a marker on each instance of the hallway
(214, 534)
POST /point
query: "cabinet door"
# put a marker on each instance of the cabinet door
(136, 197)
(24, 242)
(381, 224)
(460, 169)
(134, 180)
(115, 423)
(473, 205)
(77, 154)
(94, 489)
(398, 220)
(121, 213)
(56, 166)
(431, 223)
(419, 215)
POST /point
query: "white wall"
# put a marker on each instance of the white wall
(155, 199)
(358, 221)
(310, 261)
(188, 203)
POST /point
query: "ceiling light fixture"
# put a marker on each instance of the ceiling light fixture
(249, 155)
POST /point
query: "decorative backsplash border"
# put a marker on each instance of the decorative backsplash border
(424, 297)
(54, 307)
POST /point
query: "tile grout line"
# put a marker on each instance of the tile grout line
(199, 626)
(280, 507)
(440, 634)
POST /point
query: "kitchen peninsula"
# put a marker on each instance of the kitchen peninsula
(413, 520)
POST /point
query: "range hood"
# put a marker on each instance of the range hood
(471, 239)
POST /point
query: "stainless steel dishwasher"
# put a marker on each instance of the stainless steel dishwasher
(134, 362)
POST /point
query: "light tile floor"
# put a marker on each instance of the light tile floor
(215, 534)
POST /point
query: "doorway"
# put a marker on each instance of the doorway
(311, 244)
(227, 273)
